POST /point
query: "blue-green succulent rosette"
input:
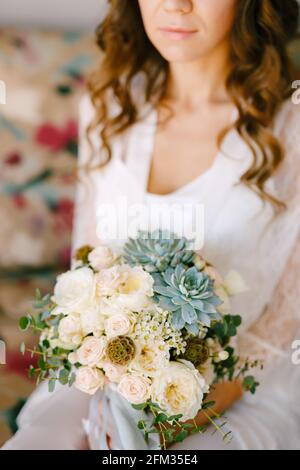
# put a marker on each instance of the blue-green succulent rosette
(179, 286)
(189, 296)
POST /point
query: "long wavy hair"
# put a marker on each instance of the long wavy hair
(259, 81)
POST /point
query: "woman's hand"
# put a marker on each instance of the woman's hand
(224, 395)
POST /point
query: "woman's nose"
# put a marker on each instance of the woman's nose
(180, 6)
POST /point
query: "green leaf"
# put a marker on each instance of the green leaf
(141, 406)
(237, 320)
(169, 435)
(161, 418)
(52, 373)
(38, 294)
(42, 363)
(207, 405)
(63, 376)
(175, 417)
(24, 323)
(31, 372)
(46, 343)
(141, 424)
(51, 385)
(250, 384)
(72, 379)
(181, 436)
(54, 361)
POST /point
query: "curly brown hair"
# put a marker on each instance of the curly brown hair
(259, 81)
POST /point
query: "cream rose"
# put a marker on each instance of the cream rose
(92, 321)
(179, 389)
(89, 380)
(234, 283)
(150, 358)
(109, 280)
(75, 290)
(113, 372)
(91, 352)
(118, 325)
(136, 290)
(101, 257)
(134, 388)
(69, 329)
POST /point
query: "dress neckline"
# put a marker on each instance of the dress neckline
(152, 119)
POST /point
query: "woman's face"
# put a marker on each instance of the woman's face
(185, 30)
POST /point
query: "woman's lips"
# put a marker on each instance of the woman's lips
(176, 33)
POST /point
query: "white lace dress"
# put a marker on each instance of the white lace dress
(239, 233)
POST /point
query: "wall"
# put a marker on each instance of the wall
(71, 14)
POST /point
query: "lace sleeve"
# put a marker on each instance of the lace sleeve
(84, 223)
(271, 337)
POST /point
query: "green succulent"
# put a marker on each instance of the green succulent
(189, 296)
(156, 251)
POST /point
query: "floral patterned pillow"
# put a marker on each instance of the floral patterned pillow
(44, 73)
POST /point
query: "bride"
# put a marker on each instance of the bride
(192, 104)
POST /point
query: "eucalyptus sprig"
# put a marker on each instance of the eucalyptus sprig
(171, 429)
(52, 363)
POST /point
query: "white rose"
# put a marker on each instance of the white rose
(109, 280)
(149, 359)
(89, 380)
(134, 388)
(179, 389)
(74, 290)
(92, 321)
(234, 283)
(136, 290)
(91, 352)
(101, 257)
(113, 372)
(69, 329)
(118, 325)
(109, 307)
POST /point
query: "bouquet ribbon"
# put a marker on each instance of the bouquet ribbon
(118, 420)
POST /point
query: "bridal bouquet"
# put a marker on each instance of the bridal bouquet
(153, 319)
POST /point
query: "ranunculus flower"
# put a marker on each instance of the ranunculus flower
(134, 388)
(89, 379)
(69, 329)
(74, 290)
(91, 352)
(179, 389)
(118, 325)
(101, 257)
